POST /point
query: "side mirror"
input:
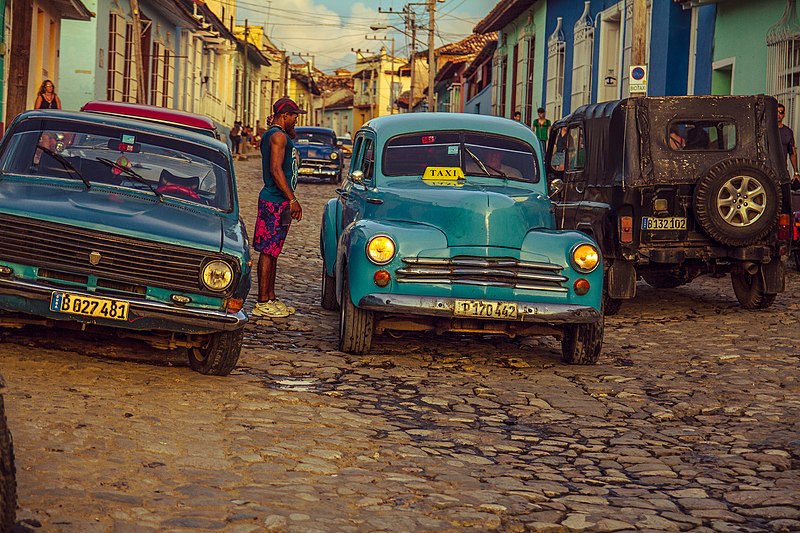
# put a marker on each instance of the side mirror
(339, 144)
(357, 176)
(556, 186)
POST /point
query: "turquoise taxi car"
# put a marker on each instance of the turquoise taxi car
(123, 225)
(443, 224)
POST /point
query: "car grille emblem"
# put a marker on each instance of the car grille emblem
(94, 258)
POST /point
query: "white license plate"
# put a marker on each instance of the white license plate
(481, 309)
(664, 223)
(305, 171)
(78, 304)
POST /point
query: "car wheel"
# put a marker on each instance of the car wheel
(8, 475)
(355, 325)
(611, 306)
(328, 296)
(749, 290)
(219, 355)
(581, 343)
(736, 202)
(662, 281)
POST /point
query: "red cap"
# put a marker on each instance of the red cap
(286, 105)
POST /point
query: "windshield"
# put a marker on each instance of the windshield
(125, 158)
(476, 153)
(314, 137)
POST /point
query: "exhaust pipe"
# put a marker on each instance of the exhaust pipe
(750, 267)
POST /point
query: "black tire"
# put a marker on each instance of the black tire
(737, 220)
(611, 306)
(355, 325)
(662, 281)
(328, 292)
(219, 354)
(8, 475)
(581, 343)
(749, 290)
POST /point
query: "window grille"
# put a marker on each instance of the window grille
(582, 59)
(783, 64)
(157, 74)
(116, 57)
(129, 83)
(528, 115)
(556, 47)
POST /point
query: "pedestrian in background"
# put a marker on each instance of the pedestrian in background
(517, 116)
(47, 98)
(277, 203)
(788, 145)
(541, 126)
(236, 137)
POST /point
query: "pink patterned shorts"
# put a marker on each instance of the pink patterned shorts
(270, 234)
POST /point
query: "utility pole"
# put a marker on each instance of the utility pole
(431, 53)
(19, 60)
(309, 68)
(245, 80)
(413, 21)
(141, 85)
(639, 33)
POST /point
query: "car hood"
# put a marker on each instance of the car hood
(469, 214)
(314, 151)
(113, 211)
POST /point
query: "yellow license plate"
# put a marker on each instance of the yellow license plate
(306, 171)
(78, 304)
(481, 309)
(663, 223)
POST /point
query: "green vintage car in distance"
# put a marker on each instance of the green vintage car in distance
(125, 226)
(443, 224)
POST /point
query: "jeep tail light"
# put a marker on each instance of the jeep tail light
(626, 229)
(784, 228)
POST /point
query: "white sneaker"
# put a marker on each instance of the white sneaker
(282, 306)
(269, 310)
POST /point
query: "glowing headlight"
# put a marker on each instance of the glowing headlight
(585, 258)
(217, 275)
(334, 155)
(381, 249)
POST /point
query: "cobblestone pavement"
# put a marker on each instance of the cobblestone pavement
(689, 422)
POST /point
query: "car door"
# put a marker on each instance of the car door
(359, 179)
(565, 161)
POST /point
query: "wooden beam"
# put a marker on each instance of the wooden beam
(20, 60)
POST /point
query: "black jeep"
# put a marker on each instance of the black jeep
(676, 187)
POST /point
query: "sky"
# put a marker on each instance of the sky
(329, 29)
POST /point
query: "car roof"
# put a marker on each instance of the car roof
(125, 122)
(391, 125)
(152, 113)
(316, 129)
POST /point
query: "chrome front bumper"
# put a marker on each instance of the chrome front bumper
(443, 307)
(156, 315)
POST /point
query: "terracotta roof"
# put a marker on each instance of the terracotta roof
(334, 82)
(487, 52)
(467, 47)
(343, 103)
(503, 14)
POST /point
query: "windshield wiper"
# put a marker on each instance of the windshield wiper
(497, 174)
(65, 162)
(131, 173)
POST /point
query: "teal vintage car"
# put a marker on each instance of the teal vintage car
(443, 224)
(110, 222)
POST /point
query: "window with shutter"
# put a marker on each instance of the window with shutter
(783, 64)
(583, 42)
(116, 57)
(556, 47)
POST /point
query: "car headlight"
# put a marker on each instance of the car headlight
(585, 258)
(381, 249)
(334, 155)
(217, 275)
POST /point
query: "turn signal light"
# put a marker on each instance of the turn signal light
(6, 270)
(234, 305)
(382, 278)
(626, 229)
(784, 227)
(581, 286)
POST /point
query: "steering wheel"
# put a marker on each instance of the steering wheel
(179, 190)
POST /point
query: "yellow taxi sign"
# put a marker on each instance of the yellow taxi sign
(443, 173)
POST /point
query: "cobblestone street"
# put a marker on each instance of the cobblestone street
(690, 421)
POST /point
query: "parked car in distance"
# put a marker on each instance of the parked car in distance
(125, 226)
(320, 153)
(162, 115)
(8, 473)
(347, 145)
(443, 224)
(676, 187)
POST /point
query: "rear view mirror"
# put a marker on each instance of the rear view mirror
(357, 176)
(556, 186)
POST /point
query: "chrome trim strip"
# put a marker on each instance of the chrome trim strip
(443, 307)
(480, 262)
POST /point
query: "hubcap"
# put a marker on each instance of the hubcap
(741, 201)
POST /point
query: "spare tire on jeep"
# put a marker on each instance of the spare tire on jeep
(737, 201)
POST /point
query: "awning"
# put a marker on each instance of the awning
(71, 9)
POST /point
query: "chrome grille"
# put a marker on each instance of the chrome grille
(483, 271)
(66, 249)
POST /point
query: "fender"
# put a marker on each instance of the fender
(621, 279)
(774, 274)
(328, 235)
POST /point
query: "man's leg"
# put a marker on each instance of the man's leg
(266, 277)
